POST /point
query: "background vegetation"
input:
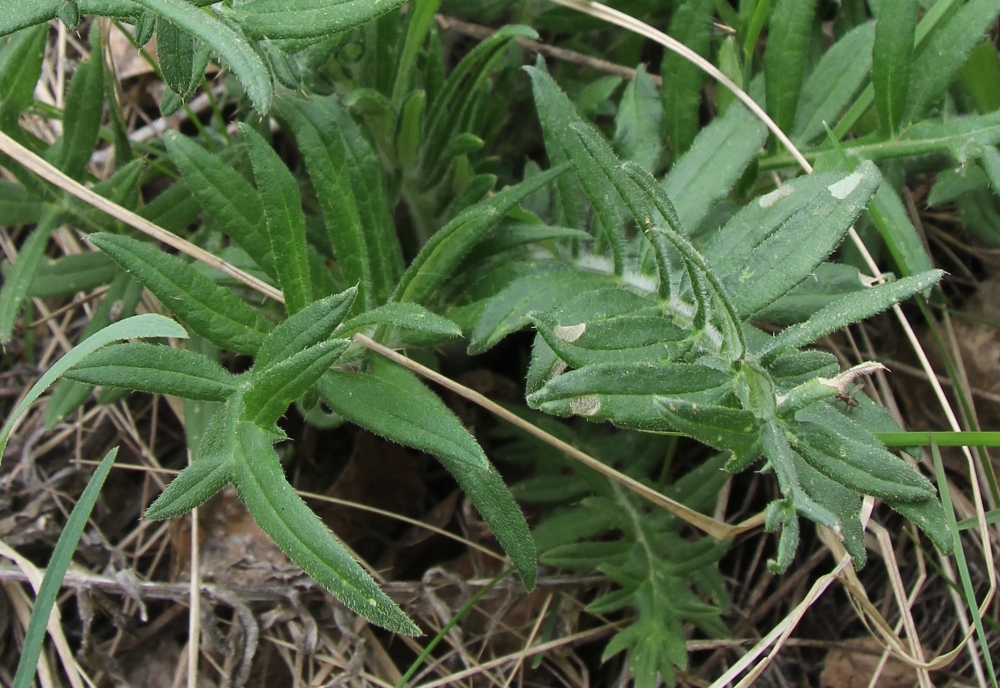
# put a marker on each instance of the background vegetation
(630, 275)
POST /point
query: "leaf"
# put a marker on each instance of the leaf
(831, 87)
(962, 137)
(20, 14)
(156, 370)
(18, 283)
(283, 515)
(842, 502)
(795, 248)
(639, 121)
(420, 21)
(181, 57)
(721, 427)
(225, 195)
(440, 256)
(140, 326)
(941, 59)
(782, 459)
(981, 76)
(621, 339)
(626, 393)
(511, 309)
(350, 186)
(402, 315)
(272, 389)
(71, 274)
(308, 18)
(20, 64)
(690, 24)
(929, 516)
(392, 403)
(212, 311)
(850, 309)
(785, 57)
(83, 113)
(827, 283)
(234, 50)
(309, 327)
(18, 206)
(286, 223)
(212, 468)
(713, 164)
(892, 55)
(59, 562)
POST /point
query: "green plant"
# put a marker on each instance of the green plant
(646, 291)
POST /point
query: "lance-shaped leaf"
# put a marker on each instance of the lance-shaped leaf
(623, 339)
(850, 309)
(408, 316)
(308, 18)
(156, 370)
(796, 248)
(300, 533)
(440, 256)
(182, 58)
(307, 328)
(892, 55)
(212, 311)
(391, 402)
(18, 206)
(272, 389)
(18, 14)
(20, 66)
(558, 115)
(713, 164)
(72, 273)
(286, 223)
(831, 87)
(929, 516)
(140, 326)
(781, 457)
(637, 126)
(842, 502)
(212, 469)
(510, 310)
(862, 467)
(234, 50)
(18, 281)
(82, 119)
(785, 58)
(690, 24)
(626, 394)
(721, 427)
(226, 196)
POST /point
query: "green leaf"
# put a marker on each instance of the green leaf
(782, 459)
(212, 468)
(83, 113)
(850, 309)
(182, 58)
(845, 504)
(308, 18)
(793, 249)
(18, 206)
(900, 236)
(785, 57)
(408, 316)
(286, 223)
(691, 24)
(157, 370)
(272, 389)
(833, 84)
(940, 61)
(20, 65)
(122, 296)
(713, 164)
(18, 283)
(20, 14)
(724, 428)
(929, 516)
(420, 19)
(350, 186)
(892, 55)
(391, 402)
(622, 339)
(309, 327)
(283, 515)
(71, 274)
(226, 196)
(440, 256)
(212, 311)
(140, 326)
(626, 393)
(962, 137)
(511, 309)
(639, 121)
(981, 76)
(235, 51)
(59, 563)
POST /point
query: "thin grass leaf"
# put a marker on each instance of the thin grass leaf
(212, 311)
(59, 563)
(234, 50)
(17, 284)
(294, 527)
(286, 223)
(156, 370)
(308, 18)
(139, 326)
(892, 56)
